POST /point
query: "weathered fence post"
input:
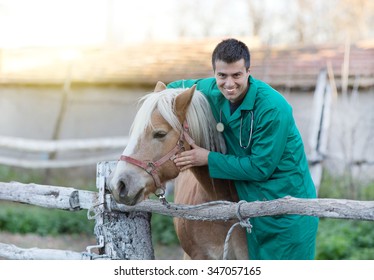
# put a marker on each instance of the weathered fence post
(320, 126)
(125, 235)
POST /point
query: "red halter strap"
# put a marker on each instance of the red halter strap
(152, 167)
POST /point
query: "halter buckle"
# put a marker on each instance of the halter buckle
(150, 167)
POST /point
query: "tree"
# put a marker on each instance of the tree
(256, 13)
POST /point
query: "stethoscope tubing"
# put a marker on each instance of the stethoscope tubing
(250, 132)
(220, 128)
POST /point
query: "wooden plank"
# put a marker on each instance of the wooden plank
(48, 146)
(318, 99)
(48, 196)
(34, 145)
(320, 127)
(327, 208)
(320, 207)
(13, 252)
(59, 163)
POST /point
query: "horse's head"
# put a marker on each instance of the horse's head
(157, 136)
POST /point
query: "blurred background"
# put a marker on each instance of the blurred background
(72, 71)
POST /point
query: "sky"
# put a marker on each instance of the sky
(25, 23)
(43, 22)
(80, 22)
(95, 22)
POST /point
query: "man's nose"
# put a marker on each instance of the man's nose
(230, 82)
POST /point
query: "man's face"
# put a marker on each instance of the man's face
(232, 79)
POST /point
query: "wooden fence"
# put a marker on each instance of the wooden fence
(53, 146)
(123, 232)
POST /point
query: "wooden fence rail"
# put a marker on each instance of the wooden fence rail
(54, 163)
(64, 198)
(54, 146)
(49, 146)
(9, 251)
(123, 232)
(73, 199)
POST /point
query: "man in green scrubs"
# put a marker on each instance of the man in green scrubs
(266, 157)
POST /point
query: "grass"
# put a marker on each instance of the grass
(345, 240)
(342, 186)
(31, 219)
(22, 218)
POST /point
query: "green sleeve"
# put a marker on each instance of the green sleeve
(268, 143)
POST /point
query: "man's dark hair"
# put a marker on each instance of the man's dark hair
(229, 51)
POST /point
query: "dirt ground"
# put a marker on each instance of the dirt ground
(77, 243)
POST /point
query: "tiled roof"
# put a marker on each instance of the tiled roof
(148, 63)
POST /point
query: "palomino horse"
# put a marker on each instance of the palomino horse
(158, 134)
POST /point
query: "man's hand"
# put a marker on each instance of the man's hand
(197, 156)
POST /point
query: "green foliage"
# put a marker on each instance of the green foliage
(345, 239)
(368, 191)
(16, 217)
(30, 219)
(341, 187)
(163, 230)
(340, 239)
(8, 174)
(77, 178)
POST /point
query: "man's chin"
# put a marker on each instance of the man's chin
(230, 95)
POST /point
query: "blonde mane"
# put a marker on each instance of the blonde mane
(201, 122)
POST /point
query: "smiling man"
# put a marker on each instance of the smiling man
(265, 159)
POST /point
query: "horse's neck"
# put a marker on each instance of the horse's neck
(214, 189)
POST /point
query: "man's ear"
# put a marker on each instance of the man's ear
(182, 102)
(160, 86)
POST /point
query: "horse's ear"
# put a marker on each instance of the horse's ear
(182, 101)
(160, 86)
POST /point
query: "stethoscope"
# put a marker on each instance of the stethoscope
(220, 128)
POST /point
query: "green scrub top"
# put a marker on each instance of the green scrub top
(273, 166)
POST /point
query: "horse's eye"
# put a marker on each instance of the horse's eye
(159, 134)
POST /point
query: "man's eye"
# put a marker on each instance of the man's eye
(159, 134)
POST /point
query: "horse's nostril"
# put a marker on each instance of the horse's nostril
(122, 189)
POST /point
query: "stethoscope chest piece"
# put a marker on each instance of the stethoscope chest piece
(220, 127)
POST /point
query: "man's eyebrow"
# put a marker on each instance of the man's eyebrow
(236, 73)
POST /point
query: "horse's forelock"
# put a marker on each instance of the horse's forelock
(199, 117)
(148, 104)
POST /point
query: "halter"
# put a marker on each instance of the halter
(152, 167)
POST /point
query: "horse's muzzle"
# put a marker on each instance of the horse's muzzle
(121, 194)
